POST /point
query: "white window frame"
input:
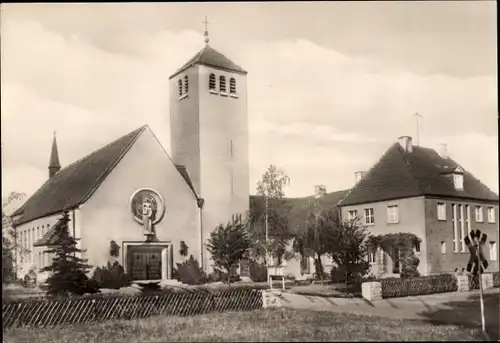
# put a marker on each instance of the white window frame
(371, 257)
(458, 181)
(493, 251)
(479, 214)
(456, 239)
(443, 248)
(463, 233)
(393, 214)
(371, 215)
(350, 214)
(491, 215)
(441, 211)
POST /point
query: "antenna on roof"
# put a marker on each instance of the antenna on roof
(206, 30)
(417, 116)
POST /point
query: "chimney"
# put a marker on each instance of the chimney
(358, 176)
(443, 150)
(319, 191)
(406, 143)
(54, 165)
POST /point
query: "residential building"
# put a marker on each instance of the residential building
(418, 190)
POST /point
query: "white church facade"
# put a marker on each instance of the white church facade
(132, 192)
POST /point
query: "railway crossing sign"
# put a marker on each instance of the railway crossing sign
(475, 240)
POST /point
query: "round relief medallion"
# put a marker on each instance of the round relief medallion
(146, 200)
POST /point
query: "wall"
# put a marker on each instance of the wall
(184, 125)
(411, 219)
(36, 259)
(106, 216)
(224, 175)
(442, 231)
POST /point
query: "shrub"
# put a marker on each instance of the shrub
(396, 287)
(258, 271)
(111, 276)
(220, 276)
(189, 272)
(410, 265)
(496, 279)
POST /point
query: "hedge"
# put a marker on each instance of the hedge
(396, 287)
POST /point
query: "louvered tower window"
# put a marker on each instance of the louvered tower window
(211, 82)
(186, 85)
(180, 87)
(232, 85)
(222, 84)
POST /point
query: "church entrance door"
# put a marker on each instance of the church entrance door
(144, 262)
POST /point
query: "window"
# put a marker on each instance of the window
(479, 214)
(232, 85)
(458, 181)
(369, 216)
(352, 215)
(371, 257)
(186, 84)
(211, 82)
(443, 247)
(416, 248)
(392, 214)
(467, 218)
(38, 232)
(462, 227)
(493, 251)
(222, 84)
(491, 214)
(40, 260)
(441, 211)
(456, 239)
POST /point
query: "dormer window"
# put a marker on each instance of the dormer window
(232, 85)
(222, 84)
(186, 85)
(458, 181)
(211, 82)
(180, 87)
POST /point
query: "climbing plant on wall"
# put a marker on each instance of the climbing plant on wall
(405, 242)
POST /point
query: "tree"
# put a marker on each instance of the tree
(228, 245)
(68, 270)
(9, 238)
(349, 250)
(274, 213)
(316, 240)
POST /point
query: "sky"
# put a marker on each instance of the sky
(331, 85)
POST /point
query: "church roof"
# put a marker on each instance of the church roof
(54, 155)
(210, 57)
(74, 184)
(423, 172)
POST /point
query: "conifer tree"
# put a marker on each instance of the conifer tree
(68, 270)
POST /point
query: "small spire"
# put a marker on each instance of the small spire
(54, 165)
(206, 30)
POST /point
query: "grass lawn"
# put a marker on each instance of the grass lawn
(260, 325)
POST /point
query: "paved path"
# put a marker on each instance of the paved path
(397, 308)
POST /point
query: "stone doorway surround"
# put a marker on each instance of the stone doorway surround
(126, 245)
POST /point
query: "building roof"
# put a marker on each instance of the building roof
(74, 184)
(54, 155)
(210, 57)
(297, 207)
(422, 172)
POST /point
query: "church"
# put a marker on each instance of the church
(131, 196)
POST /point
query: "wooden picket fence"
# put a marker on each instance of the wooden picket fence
(40, 313)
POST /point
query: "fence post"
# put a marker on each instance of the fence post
(462, 283)
(371, 290)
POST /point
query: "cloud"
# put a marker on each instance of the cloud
(318, 114)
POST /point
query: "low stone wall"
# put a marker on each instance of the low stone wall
(272, 298)
(372, 290)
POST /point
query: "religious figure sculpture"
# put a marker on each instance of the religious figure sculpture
(147, 213)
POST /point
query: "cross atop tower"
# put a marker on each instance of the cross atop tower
(206, 30)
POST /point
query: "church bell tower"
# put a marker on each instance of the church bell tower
(209, 134)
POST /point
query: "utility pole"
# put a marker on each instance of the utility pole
(417, 116)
